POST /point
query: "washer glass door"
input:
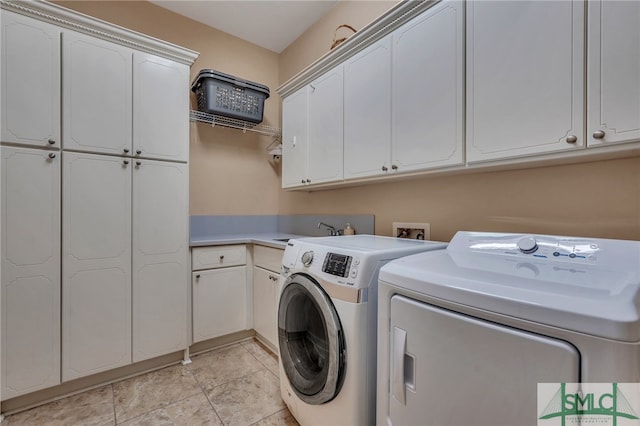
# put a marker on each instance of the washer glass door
(311, 339)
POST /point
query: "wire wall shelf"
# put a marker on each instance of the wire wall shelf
(218, 120)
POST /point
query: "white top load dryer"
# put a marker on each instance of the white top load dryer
(466, 334)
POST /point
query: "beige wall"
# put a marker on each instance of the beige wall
(230, 171)
(232, 174)
(317, 40)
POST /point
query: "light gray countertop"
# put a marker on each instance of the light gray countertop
(270, 239)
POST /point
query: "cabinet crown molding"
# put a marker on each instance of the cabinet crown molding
(385, 24)
(63, 17)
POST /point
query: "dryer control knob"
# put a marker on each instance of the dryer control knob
(307, 258)
(527, 245)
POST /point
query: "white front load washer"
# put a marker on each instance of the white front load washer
(327, 325)
(467, 333)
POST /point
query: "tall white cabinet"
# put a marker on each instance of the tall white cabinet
(160, 258)
(96, 278)
(95, 270)
(30, 242)
(525, 77)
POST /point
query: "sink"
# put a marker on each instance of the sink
(284, 240)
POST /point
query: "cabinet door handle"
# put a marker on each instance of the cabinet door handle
(138, 163)
(125, 162)
(125, 150)
(308, 180)
(198, 277)
(384, 168)
(221, 258)
(138, 152)
(52, 155)
(394, 167)
(572, 139)
(302, 181)
(51, 142)
(598, 134)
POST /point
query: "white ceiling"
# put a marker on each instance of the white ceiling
(272, 24)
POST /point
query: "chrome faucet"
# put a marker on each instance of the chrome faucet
(332, 231)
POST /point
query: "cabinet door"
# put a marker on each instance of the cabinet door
(367, 111)
(160, 258)
(427, 89)
(325, 128)
(524, 79)
(264, 304)
(97, 94)
(614, 72)
(160, 108)
(30, 89)
(30, 242)
(219, 302)
(294, 139)
(96, 264)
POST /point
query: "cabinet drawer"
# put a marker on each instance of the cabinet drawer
(218, 257)
(267, 258)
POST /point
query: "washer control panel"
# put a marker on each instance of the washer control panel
(337, 264)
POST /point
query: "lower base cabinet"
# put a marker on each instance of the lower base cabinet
(219, 291)
(265, 285)
(267, 262)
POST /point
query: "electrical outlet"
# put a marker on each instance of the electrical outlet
(413, 231)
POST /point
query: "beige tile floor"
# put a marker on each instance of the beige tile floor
(234, 385)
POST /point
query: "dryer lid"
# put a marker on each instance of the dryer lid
(585, 285)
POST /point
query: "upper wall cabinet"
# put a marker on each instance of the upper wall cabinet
(160, 108)
(427, 90)
(96, 94)
(325, 127)
(613, 90)
(295, 138)
(367, 111)
(525, 68)
(465, 85)
(30, 88)
(312, 132)
(404, 97)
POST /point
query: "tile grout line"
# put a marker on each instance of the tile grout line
(113, 399)
(205, 394)
(264, 367)
(164, 405)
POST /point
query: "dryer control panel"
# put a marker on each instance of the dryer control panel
(577, 250)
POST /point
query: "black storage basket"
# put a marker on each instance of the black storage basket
(228, 96)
